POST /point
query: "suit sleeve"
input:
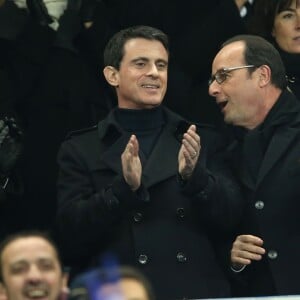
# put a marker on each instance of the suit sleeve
(214, 189)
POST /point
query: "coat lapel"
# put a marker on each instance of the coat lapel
(163, 161)
(238, 163)
(161, 164)
(111, 157)
(278, 145)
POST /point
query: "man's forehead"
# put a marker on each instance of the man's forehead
(230, 55)
(23, 249)
(142, 47)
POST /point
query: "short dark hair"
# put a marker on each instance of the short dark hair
(258, 52)
(114, 50)
(27, 234)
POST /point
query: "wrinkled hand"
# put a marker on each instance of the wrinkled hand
(131, 164)
(10, 144)
(189, 153)
(245, 249)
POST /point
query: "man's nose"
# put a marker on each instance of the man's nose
(34, 274)
(153, 70)
(214, 89)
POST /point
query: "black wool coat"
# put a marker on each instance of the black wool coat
(272, 208)
(167, 229)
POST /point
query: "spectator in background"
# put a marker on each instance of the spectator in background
(30, 267)
(123, 282)
(249, 84)
(51, 90)
(279, 22)
(119, 187)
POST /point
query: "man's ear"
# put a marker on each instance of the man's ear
(3, 294)
(64, 295)
(65, 279)
(264, 75)
(111, 75)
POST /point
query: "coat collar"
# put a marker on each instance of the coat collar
(286, 129)
(163, 160)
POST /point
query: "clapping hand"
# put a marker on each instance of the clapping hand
(189, 153)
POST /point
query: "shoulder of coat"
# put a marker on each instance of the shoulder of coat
(81, 131)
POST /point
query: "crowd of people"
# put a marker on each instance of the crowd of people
(177, 152)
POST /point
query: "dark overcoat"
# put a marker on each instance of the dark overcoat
(166, 228)
(273, 205)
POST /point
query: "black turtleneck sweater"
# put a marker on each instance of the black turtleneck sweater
(146, 124)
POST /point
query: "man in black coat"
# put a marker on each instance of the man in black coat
(250, 86)
(141, 185)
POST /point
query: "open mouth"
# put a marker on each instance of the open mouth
(36, 293)
(222, 104)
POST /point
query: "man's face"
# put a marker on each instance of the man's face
(238, 96)
(31, 270)
(141, 80)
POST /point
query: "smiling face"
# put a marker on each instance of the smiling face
(141, 80)
(239, 95)
(286, 29)
(31, 270)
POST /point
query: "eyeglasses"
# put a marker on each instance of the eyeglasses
(222, 74)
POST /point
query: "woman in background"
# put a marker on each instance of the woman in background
(279, 22)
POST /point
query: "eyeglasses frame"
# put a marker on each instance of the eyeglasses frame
(226, 72)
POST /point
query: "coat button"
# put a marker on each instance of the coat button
(137, 217)
(180, 212)
(272, 254)
(259, 204)
(143, 258)
(181, 257)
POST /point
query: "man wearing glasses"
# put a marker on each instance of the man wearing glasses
(250, 87)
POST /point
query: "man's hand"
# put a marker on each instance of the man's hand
(245, 249)
(189, 153)
(131, 164)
